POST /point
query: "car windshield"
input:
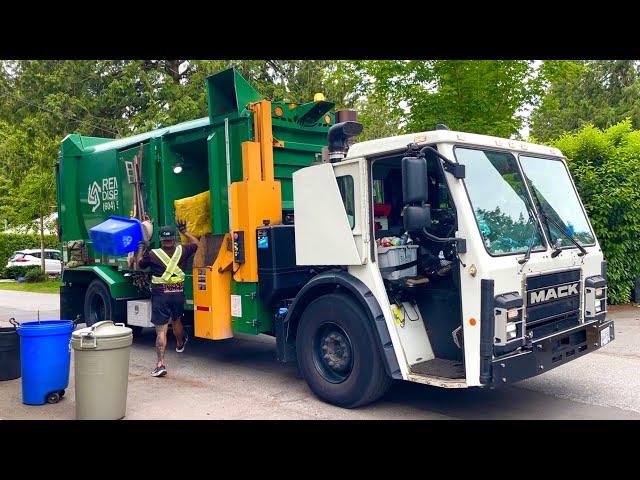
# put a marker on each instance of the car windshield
(554, 195)
(500, 201)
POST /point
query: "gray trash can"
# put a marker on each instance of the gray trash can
(101, 370)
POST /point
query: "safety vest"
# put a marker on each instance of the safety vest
(172, 273)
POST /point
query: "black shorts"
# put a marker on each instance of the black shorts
(166, 307)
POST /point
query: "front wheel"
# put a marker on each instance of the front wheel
(338, 353)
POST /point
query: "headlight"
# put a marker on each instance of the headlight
(512, 331)
(509, 321)
(595, 297)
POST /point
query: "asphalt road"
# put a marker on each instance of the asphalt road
(240, 379)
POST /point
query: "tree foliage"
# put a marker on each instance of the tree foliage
(478, 96)
(601, 93)
(605, 166)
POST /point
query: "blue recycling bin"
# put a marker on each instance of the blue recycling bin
(116, 236)
(45, 357)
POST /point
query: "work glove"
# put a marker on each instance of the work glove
(182, 226)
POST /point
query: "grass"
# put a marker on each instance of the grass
(50, 286)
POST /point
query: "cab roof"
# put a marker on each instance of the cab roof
(400, 143)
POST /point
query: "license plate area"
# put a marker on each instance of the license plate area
(605, 336)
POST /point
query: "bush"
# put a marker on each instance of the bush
(11, 242)
(606, 168)
(17, 272)
(35, 275)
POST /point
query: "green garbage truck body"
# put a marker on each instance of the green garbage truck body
(96, 179)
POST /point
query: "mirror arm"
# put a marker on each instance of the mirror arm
(461, 243)
(457, 170)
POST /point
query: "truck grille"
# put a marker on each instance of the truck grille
(552, 301)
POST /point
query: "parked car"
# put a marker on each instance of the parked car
(31, 257)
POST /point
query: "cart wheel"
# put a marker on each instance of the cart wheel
(61, 393)
(53, 397)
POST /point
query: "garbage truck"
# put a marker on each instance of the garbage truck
(444, 258)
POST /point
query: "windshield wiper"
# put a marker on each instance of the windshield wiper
(566, 234)
(527, 255)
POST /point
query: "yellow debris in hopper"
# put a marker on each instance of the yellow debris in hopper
(196, 211)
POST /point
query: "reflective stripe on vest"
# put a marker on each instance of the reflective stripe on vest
(172, 273)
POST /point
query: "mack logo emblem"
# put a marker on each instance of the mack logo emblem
(547, 294)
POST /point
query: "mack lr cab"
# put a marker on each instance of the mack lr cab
(445, 258)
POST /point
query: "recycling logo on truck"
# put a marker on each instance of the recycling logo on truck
(94, 196)
(103, 194)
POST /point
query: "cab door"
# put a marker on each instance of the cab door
(351, 177)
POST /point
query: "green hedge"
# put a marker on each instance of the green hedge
(10, 242)
(606, 168)
(18, 271)
(35, 275)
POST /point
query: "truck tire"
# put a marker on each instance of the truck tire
(338, 354)
(99, 305)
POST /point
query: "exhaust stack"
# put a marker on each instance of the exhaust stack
(339, 134)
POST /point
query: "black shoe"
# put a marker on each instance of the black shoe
(181, 348)
(159, 371)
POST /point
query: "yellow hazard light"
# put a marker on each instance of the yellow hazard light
(278, 111)
(327, 119)
(318, 97)
(292, 106)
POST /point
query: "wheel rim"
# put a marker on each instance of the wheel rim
(98, 309)
(332, 353)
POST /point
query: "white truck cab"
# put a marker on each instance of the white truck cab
(472, 257)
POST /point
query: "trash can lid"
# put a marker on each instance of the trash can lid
(102, 336)
(45, 328)
(104, 329)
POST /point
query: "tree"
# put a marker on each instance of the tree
(37, 199)
(480, 96)
(601, 93)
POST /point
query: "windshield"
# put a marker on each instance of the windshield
(554, 195)
(500, 201)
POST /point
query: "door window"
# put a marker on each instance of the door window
(345, 185)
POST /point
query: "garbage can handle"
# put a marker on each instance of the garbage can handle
(85, 335)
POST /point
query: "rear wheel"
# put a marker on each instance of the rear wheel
(99, 305)
(338, 354)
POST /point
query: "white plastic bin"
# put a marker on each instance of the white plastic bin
(390, 258)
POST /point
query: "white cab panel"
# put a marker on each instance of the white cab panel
(323, 234)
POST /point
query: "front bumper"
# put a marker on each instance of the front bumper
(550, 352)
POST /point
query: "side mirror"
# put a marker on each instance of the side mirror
(415, 187)
(415, 218)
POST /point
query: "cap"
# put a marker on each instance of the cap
(168, 232)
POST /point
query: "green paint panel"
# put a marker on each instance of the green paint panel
(228, 93)
(119, 286)
(255, 317)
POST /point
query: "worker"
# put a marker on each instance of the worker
(167, 288)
